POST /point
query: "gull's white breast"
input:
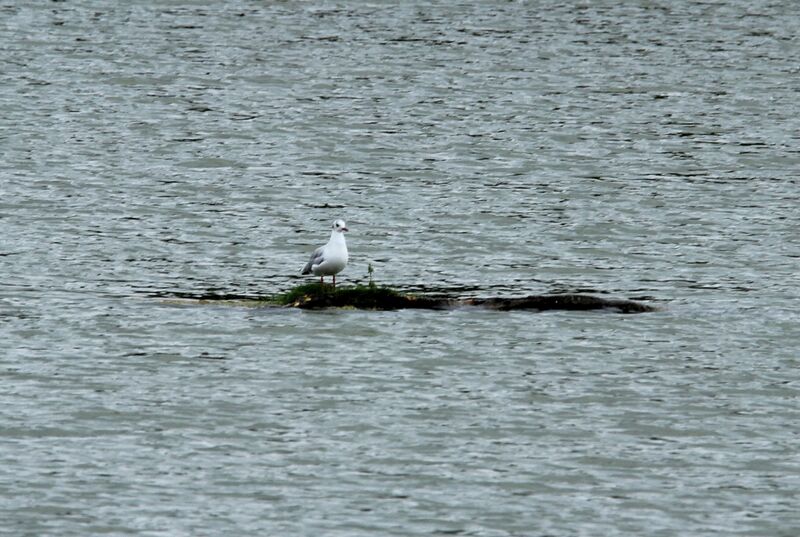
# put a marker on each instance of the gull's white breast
(334, 257)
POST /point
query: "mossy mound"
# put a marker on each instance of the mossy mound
(369, 297)
(318, 296)
(372, 297)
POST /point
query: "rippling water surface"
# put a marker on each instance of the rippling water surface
(643, 150)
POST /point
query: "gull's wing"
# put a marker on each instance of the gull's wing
(316, 259)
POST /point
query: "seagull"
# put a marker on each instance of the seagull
(329, 260)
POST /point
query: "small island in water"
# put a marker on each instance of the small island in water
(373, 297)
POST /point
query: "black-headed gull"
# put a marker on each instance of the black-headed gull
(329, 260)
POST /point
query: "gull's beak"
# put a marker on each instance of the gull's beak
(345, 229)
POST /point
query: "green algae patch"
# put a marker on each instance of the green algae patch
(366, 297)
(370, 297)
(314, 296)
(300, 292)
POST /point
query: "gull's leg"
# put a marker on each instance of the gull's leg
(334, 281)
(322, 280)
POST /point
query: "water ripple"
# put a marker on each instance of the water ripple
(626, 149)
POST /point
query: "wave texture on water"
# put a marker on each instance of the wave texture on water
(636, 150)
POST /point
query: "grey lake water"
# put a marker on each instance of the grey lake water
(647, 150)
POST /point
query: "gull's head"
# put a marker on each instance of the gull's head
(339, 225)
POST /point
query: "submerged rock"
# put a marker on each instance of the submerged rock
(367, 297)
(316, 296)
(559, 302)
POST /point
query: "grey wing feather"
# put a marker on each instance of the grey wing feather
(316, 259)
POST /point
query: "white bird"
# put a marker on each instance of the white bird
(329, 260)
